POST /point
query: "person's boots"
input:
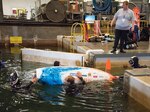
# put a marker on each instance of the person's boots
(113, 51)
(122, 51)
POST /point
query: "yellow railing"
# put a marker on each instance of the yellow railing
(74, 34)
(105, 26)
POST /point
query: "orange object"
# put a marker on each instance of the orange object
(108, 65)
(108, 68)
(136, 11)
(86, 37)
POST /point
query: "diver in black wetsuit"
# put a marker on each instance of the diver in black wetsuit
(73, 89)
(56, 63)
(16, 84)
(134, 62)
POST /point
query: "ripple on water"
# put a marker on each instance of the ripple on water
(96, 96)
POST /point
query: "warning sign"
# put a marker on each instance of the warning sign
(15, 39)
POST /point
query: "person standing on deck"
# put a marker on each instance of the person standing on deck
(123, 18)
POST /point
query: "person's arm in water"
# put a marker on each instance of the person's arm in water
(19, 86)
(34, 80)
(82, 80)
(79, 75)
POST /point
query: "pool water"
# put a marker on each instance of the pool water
(95, 96)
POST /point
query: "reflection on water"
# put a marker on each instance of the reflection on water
(96, 96)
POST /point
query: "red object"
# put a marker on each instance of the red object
(108, 65)
(136, 11)
(86, 37)
(14, 11)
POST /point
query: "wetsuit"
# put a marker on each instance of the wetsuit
(73, 89)
(134, 62)
(21, 88)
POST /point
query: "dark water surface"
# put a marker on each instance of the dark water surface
(95, 96)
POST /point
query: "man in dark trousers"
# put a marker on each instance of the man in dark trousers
(123, 18)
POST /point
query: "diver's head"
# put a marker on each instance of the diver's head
(70, 79)
(56, 63)
(14, 78)
(134, 62)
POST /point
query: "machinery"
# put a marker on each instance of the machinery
(75, 10)
(53, 11)
(102, 6)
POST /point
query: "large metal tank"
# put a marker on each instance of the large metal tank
(53, 11)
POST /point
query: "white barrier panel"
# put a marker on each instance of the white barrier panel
(137, 85)
(48, 57)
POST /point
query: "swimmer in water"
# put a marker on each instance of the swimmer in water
(16, 84)
(56, 63)
(73, 89)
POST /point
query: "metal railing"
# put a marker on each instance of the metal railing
(105, 26)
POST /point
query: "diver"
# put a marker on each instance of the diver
(73, 89)
(134, 62)
(16, 84)
(56, 63)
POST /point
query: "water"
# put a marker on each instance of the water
(95, 96)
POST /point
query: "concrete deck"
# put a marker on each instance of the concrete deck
(137, 85)
(97, 59)
(143, 46)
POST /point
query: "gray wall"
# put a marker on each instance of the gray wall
(28, 32)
